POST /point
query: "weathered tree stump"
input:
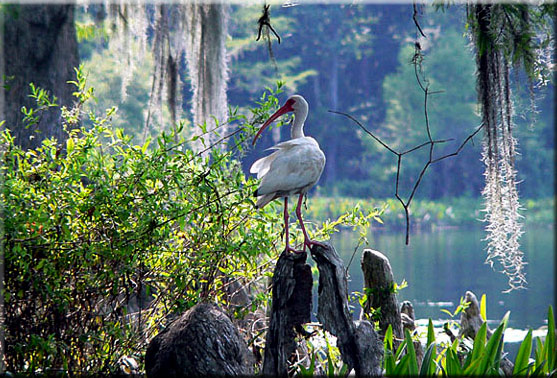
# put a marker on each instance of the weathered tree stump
(203, 341)
(408, 322)
(291, 307)
(379, 284)
(407, 316)
(470, 319)
(470, 323)
(358, 342)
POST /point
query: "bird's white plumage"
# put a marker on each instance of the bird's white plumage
(293, 168)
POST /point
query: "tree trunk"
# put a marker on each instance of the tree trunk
(291, 307)
(359, 344)
(379, 283)
(40, 47)
(408, 322)
(470, 319)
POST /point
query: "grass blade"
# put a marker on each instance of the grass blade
(430, 333)
(453, 363)
(493, 348)
(413, 361)
(538, 354)
(472, 367)
(549, 345)
(400, 349)
(479, 342)
(388, 339)
(428, 363)
(390, 363)
(402, 367)
(523, 355)
(330, 366)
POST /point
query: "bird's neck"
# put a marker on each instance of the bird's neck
(297, 129)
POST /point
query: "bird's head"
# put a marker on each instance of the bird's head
(295, 103)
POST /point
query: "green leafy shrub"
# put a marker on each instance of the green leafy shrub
(105, 241)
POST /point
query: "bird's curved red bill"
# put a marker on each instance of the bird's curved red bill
(283, 110)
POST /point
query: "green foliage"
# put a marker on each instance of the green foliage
(43, 100)
(404, 360)
(325, 358)
(461, 307)
(106, 241)
(546, 350)
(522, 358)
(425, 213)
(481, 359)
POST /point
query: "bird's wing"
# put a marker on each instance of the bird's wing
(262, 166)
(292, 143)
(292, 169)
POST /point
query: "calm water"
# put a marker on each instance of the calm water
(440, 266)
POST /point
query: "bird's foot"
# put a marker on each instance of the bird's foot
(310, 243)
(290, 249)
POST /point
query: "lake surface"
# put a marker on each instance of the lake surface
(441, 265)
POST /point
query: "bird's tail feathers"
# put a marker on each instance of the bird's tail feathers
(263, 200)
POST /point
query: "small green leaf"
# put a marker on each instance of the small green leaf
(447, 312)
(69, 145)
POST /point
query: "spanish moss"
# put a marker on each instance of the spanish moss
(502, 206)
(207, 64)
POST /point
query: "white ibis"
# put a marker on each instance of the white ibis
(293, 168)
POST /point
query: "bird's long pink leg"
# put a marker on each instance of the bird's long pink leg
(287, 233)
(307, 241)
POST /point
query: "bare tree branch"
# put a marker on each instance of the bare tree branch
(415, 18)
(423, 83)
(265, 20)
(431, 143)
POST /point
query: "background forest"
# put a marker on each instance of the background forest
(123, 207)
(355, 59)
